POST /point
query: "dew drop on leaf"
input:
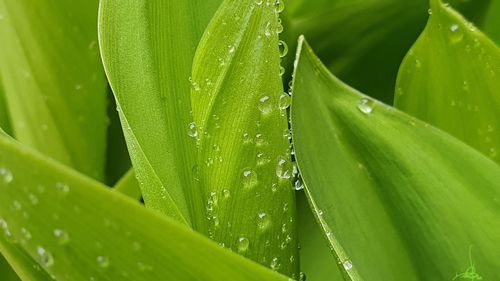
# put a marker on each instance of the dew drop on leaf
(263, 221)
(285, 101)
(284, 168)
(275, 264)
(283, 48)
(365, 105)
(61, 236)
(45, 258)
(103, 261)
(347, 265)
(265, 105)
(6, 175)
(249, 178)
(62, 187)
(456, 34)
(243, 245)
(192, 130)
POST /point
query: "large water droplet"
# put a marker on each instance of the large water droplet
(299, 185)
(265, 105)
(192, 130)
(249, 178)
(45, 258)
(456, 34)
(283, 47)
(347, 265)
(285, 101)
(6, 175)
(365, 105)
(243, 245)
(279, 6)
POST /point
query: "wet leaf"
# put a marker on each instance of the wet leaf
(450, 78)
(396, 198)
(240, 124)
(39, 201)
(147, 49)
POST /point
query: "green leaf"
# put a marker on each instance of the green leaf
(40, 199)
(129, 186)
(397, 198)
(147, 49)
(492, 21)
(240, 122)
(316, 261)
(450, 79)
(50, 58)
(6, 272)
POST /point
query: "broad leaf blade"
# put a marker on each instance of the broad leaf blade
(53, 79)
(450, 78)
(397, 198)
(40, 200)
(244, 163)
(147, 49)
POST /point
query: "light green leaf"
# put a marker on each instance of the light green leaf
(6, 272)
(147, 49)
(53, 79)
(397, 198)
(450, 78)
(239, 111)
(113, 237)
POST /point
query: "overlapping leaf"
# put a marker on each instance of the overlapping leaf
(450, 78)
(148, 48)
(39, 201)
(492, 22)
(53, 79)
(6, 272)
(397, 198)
(240, 122)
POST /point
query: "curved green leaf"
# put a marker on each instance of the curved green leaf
(76, 229)
(244, 164)
(147, 49)
(396, 198)
(53, 79)
(450, 79)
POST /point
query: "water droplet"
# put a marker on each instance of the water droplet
(16, 205)
(192, 130)
(267, 29)
(429, 11)
(302, 276)
(262, 159)
(62, 187)
(284, 168)
(61, 236)
(347, 265)
(259, 2)
(265, 105)
(144, 267)
(103, 261)
(456, 33)
(298, 185)
(285, 101)
(493, 153)
(282, 70)
(243, 245)
(45, 258)
(263, 221)
(246, 138)
(249, 178)
(231, 49)
(6, 175)
(275, 264)
(194, 85)
(366, 105)
(226, 193)
(283, 47)
(259, 140)
(26, 234)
